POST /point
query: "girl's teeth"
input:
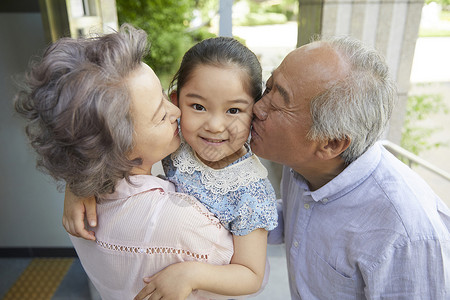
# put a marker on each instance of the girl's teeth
(214, 141)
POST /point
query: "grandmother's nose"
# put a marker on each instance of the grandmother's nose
(174, 112)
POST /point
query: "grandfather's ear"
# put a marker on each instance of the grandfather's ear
(333, 148)
(174, 98)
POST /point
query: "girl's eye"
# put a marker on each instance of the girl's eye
(198, 107)
(165, 115)
(233, 111)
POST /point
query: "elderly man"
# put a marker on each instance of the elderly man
(357, 223)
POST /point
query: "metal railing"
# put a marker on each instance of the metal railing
(412, 158)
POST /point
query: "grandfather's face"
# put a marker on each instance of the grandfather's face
(282, 117)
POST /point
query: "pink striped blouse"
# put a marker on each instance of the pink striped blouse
(144, 227)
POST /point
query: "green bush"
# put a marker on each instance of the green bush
(414, 135)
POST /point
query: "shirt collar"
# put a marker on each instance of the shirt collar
(139, 184)
(349, 178)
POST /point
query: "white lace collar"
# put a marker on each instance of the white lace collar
(219, 181)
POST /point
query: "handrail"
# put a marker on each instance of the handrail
(411, 157)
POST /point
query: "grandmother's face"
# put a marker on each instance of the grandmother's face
(154, 119)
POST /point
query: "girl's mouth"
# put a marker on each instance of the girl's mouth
(213, 141)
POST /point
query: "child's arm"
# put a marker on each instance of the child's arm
(75, 209)
(243, 276)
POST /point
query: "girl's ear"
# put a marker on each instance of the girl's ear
(174, 98)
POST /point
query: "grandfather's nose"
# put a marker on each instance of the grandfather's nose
(260, 109)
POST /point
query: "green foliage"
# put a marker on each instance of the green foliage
(253, 19)
(268, 12)
(445, 15)
(207, 8)
(415, 136)
(444, 3)
(286, 7)
(433, 32)
(201, 34)
(165, 22)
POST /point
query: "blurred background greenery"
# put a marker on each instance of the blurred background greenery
(173, 26)
(167, 23)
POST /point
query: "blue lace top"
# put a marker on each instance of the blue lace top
(240, 195)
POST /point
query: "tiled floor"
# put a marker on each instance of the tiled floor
(43, 278)
(65, 279)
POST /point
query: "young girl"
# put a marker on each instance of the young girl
(217, 84)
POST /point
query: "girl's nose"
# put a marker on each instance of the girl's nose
(215, 124)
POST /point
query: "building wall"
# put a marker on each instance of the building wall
(392, 28)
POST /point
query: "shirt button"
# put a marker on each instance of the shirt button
(295, 244)
(325, 200)
(306, 206)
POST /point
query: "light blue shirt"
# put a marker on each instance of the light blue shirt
(376, 231)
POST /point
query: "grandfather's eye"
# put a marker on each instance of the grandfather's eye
(198, 107)
(266, 90)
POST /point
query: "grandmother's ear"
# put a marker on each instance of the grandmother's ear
(174, 98)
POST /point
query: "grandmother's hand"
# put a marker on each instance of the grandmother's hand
(172, 283)
(75, 209)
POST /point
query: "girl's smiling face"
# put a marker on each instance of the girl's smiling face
(216, 113)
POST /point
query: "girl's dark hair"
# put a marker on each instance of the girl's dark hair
(221, 52)
(77, 107)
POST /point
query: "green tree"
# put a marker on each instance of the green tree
(165, 22)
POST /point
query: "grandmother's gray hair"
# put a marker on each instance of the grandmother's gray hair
(77, 104)
(359, 106)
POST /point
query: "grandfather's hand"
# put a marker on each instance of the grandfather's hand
(75, 209)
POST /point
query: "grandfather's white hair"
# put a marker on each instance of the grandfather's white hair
(359, 106)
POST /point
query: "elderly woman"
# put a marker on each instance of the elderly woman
(98, 120)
